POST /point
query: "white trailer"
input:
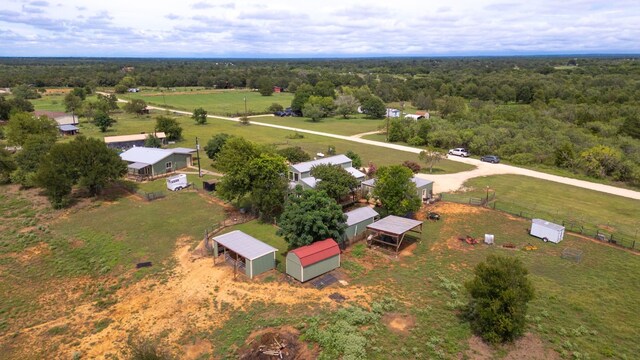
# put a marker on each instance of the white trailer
(547, 231)
(177, 182)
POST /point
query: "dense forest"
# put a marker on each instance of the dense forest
(580, 114)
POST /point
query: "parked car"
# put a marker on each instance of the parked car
(494, 159)
(459, 152)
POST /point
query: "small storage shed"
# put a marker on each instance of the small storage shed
(547, 231)
(357, 221)
(245, 253)
(308, 262)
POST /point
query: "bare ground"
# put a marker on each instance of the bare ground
(529, 347)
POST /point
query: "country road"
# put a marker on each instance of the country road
(448, 182)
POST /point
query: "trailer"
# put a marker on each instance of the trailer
(177, 183)
(547, 231)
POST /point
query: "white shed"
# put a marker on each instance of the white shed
(547, 231)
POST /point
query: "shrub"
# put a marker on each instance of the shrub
(412, 165)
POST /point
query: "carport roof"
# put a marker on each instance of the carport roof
(360, 214)
(394, 225)
(137, 165)
(244, 245)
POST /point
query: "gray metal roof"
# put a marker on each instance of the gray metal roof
(333, 160)
(145, 155)
(245, 245)
(310, 181)
(355, 172)
(395, 225)
(68, 127)
(360, 215)
(137, 165)
(416, 180)
(182, 150)
(547, 224)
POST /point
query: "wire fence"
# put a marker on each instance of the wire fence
(600, 233)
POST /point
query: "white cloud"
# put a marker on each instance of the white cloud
(253, 28)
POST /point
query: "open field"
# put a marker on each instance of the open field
(558, 202)
(225, 103)
(356, 124)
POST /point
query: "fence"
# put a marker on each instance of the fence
(580, 227)
(150, 196)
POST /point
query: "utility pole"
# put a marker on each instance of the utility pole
(245, 106)
(387, 116)
(198, 154)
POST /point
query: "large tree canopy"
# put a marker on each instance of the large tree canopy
(396, 191)
(170, 127)
(311, 215)
(21, 126)
(500, 291)
(334, 180)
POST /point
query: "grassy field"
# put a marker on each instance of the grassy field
(558, 202)
(101, 240)
(335, 125)
(225, 103)
(565, 314)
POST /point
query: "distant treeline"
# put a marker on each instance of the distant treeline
(581, 114)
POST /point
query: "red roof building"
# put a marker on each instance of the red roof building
(308, 262)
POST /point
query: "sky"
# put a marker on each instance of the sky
(326, 28)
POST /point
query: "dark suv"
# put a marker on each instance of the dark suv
(490, 158)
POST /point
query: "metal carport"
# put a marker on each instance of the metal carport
(394, 227)
(244, 251)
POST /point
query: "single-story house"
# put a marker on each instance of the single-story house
(152, 162)
(424, 187)
(308, 262)
(245, 253)
(68, 129)
(61, 118)
(300, 173)
(393, 113)
(357, 221)
(128, 141)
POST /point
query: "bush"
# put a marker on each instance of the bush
(412, 165)
(499, 294)
(416, 141)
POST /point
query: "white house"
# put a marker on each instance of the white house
(393, 113)
(300, 173)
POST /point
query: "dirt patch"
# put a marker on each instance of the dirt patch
(197, 349)
(276, 343)
(528, 347)
(399, 323)
(408, 251)
(57, 91)
(450, 208)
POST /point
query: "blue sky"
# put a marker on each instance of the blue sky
(304, 28)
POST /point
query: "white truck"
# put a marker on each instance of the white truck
(459, 152)
(177, 182)
(547, 231)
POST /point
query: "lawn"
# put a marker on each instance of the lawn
(356, 124)
(582, 310)
(216, 102)
(558, 203)
(97, 242)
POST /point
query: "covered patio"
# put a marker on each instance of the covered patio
(392, 230)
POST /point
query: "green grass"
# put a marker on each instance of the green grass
(356, 124)
(558, 202)
(225, 103)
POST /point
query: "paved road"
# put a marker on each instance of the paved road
(448, 182)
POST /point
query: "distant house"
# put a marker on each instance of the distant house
(277, 89)
(124, 142)
(61, 118)
(300, 174)
(143, 162)
(393, 113)
(424, 187)
(68, 129)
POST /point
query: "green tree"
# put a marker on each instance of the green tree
(57, 175)
(152, 141)
(313, 111)
(431, 157)
(232, 159)
(600, 161)
(7, 166)
(325, 89)
(103, 121)
(374, 107)
(269, 186)
(631, 126)
(275, 107)
(25, 92)
(356, 161)
(452, 105)
(311, 215)
(23, 125)
(325, 103)
(28, 160)
(265, 86)
(72, 103)
(110, 102)
(396, 191)
(15, 105)
(294, 154)
(303, 92)
(499, 293)
(346, 105)
(135, 106)
(334, 180)
(170, 127)
(200, 116)
(215, 144)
